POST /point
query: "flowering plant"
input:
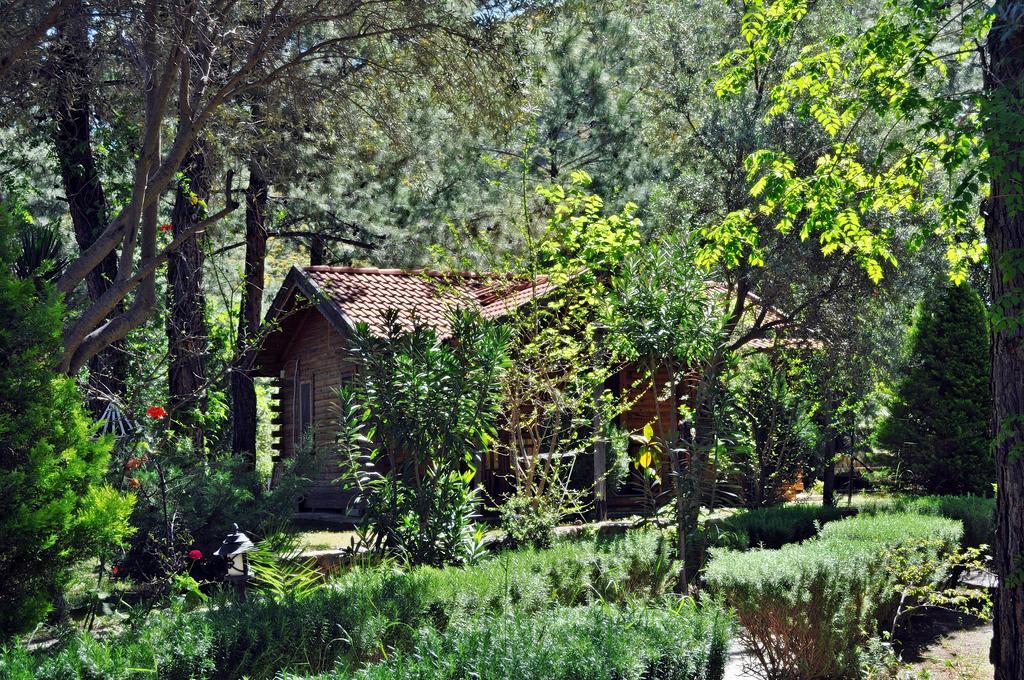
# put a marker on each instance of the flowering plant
(156, 412)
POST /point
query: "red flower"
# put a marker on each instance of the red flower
(195, 555)
(133, 483)
(156, 412)
(115, 570)
(165, 227)
(132, 463)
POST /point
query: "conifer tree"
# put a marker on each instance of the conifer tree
(937, 429)
(54, 507)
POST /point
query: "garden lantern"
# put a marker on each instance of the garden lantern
(233, 550)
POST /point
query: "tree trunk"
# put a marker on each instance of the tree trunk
(187, 333)
(828, 495)
(317, 251)
(828, 476)
(1004, 231)
(243, 391)
(72, 141)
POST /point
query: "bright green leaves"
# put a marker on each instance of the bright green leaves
(580, 238)
(582, 247)
(902, 143)
(764, 27)
(731, 241)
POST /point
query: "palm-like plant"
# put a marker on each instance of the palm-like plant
(42, 252)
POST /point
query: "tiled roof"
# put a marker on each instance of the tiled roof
(363, 294)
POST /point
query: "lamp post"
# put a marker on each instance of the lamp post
(233, 550)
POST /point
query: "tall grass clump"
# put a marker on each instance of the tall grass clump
(362, 616)
(807, 608)
(572, 572)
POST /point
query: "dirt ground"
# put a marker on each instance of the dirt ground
(960, 653)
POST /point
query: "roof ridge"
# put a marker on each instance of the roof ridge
(333, 269)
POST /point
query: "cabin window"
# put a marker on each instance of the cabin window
(305, 414)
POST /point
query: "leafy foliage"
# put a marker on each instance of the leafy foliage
(189, 503)
(893, 77)
(528, 521)
(660, 307)
(415, 426)
(937, 428)
(777, 439)
(280, 572)
(55, 509)
(559, 360)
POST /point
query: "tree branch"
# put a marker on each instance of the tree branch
(35, 34)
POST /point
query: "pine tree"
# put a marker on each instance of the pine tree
(937, 429)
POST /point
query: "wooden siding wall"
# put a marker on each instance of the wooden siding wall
(647, 405)
(317, 354)
(645, 410)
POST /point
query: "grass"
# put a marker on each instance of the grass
(326, 540)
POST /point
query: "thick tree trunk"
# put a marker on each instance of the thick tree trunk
(243, 391)
(72, 141)
(1004, 231)
(187, 333)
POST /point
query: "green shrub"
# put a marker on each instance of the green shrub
(806, 608)
(774, 437)
(573, 572)
(771, 527)
(418, 413)
(937, 429)
(977, 514)
(54, 508)
(528, 521)
(361, 614)
(894, 530)
(688, 642)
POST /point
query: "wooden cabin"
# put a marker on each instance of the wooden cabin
(305, 353)
(307, 334)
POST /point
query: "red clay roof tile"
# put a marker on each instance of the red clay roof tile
(363, 294)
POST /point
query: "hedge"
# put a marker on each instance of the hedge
(806, 608)
(686, 642)
(977, 514)
(771, 527)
